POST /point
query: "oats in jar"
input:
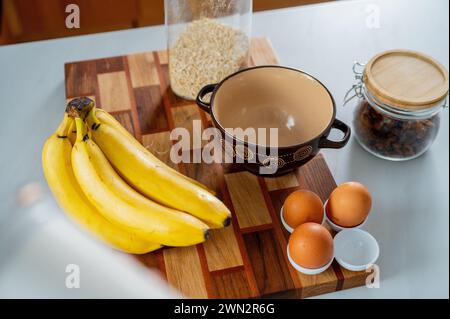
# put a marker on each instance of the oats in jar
(205, 52)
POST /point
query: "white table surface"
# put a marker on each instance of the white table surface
(410, 215)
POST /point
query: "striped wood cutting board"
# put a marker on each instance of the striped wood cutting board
(247, 259)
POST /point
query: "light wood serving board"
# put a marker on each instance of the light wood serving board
(247, 259)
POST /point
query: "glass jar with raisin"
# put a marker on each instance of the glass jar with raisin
(401, 94)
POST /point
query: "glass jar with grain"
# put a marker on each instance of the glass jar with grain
(400, 96)
(207, 41)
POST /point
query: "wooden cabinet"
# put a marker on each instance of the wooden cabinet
(28, 20)
(259, 5)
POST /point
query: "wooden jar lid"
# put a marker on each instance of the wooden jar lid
(406, 79)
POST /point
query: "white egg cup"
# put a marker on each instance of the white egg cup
(336, 227)
(289, 228)
(354, 249)
(307, 271)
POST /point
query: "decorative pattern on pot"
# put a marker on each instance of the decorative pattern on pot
(303, 153)
(243, 152)
(270, 160)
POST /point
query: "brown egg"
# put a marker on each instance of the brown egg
(302, 206)
(311, 246)
(349, 204)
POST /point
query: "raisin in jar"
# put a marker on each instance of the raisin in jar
(400, 96)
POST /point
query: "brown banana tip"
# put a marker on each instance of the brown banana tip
(206, 234)
(79, 107)
(227, 222)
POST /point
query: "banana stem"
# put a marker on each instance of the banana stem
(80, 107)
(63, 129)
(81, 130)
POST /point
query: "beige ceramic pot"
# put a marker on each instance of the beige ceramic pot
(257, 99)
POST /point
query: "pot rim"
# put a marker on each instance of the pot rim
(309, 142)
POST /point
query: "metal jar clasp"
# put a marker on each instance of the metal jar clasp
(357, 88)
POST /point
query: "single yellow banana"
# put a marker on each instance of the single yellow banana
(153, 222)
(56, 161)
(138, 167)
(106, 118)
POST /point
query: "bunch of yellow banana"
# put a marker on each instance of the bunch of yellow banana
(113, 186)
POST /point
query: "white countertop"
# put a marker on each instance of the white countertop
(410, 217)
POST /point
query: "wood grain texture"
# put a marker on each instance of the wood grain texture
(188, 117)
(114, 92)
(114, 64)
(271, 272)
(247, 199)
(247, 259)
(143, 70)
(278, 230)
(81, 78)
(184, 271)
(132, 99)
(222, 250)
(209, 175)
(231, 285)
(150, 108)
(282, 182)
(163, 89)
(163, 56)
(316, 177)
(255, 229)
(318, 284)
(124, 118)
(250, 275)
(353, 279)
(230, 168)
(205, 271)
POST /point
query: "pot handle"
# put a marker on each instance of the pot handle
(205, 106)
(341, 126)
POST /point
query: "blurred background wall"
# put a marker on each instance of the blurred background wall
(31, 20)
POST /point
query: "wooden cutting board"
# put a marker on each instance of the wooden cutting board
(247, 259)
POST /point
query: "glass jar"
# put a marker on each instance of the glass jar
(207, 41)
(400, 96)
